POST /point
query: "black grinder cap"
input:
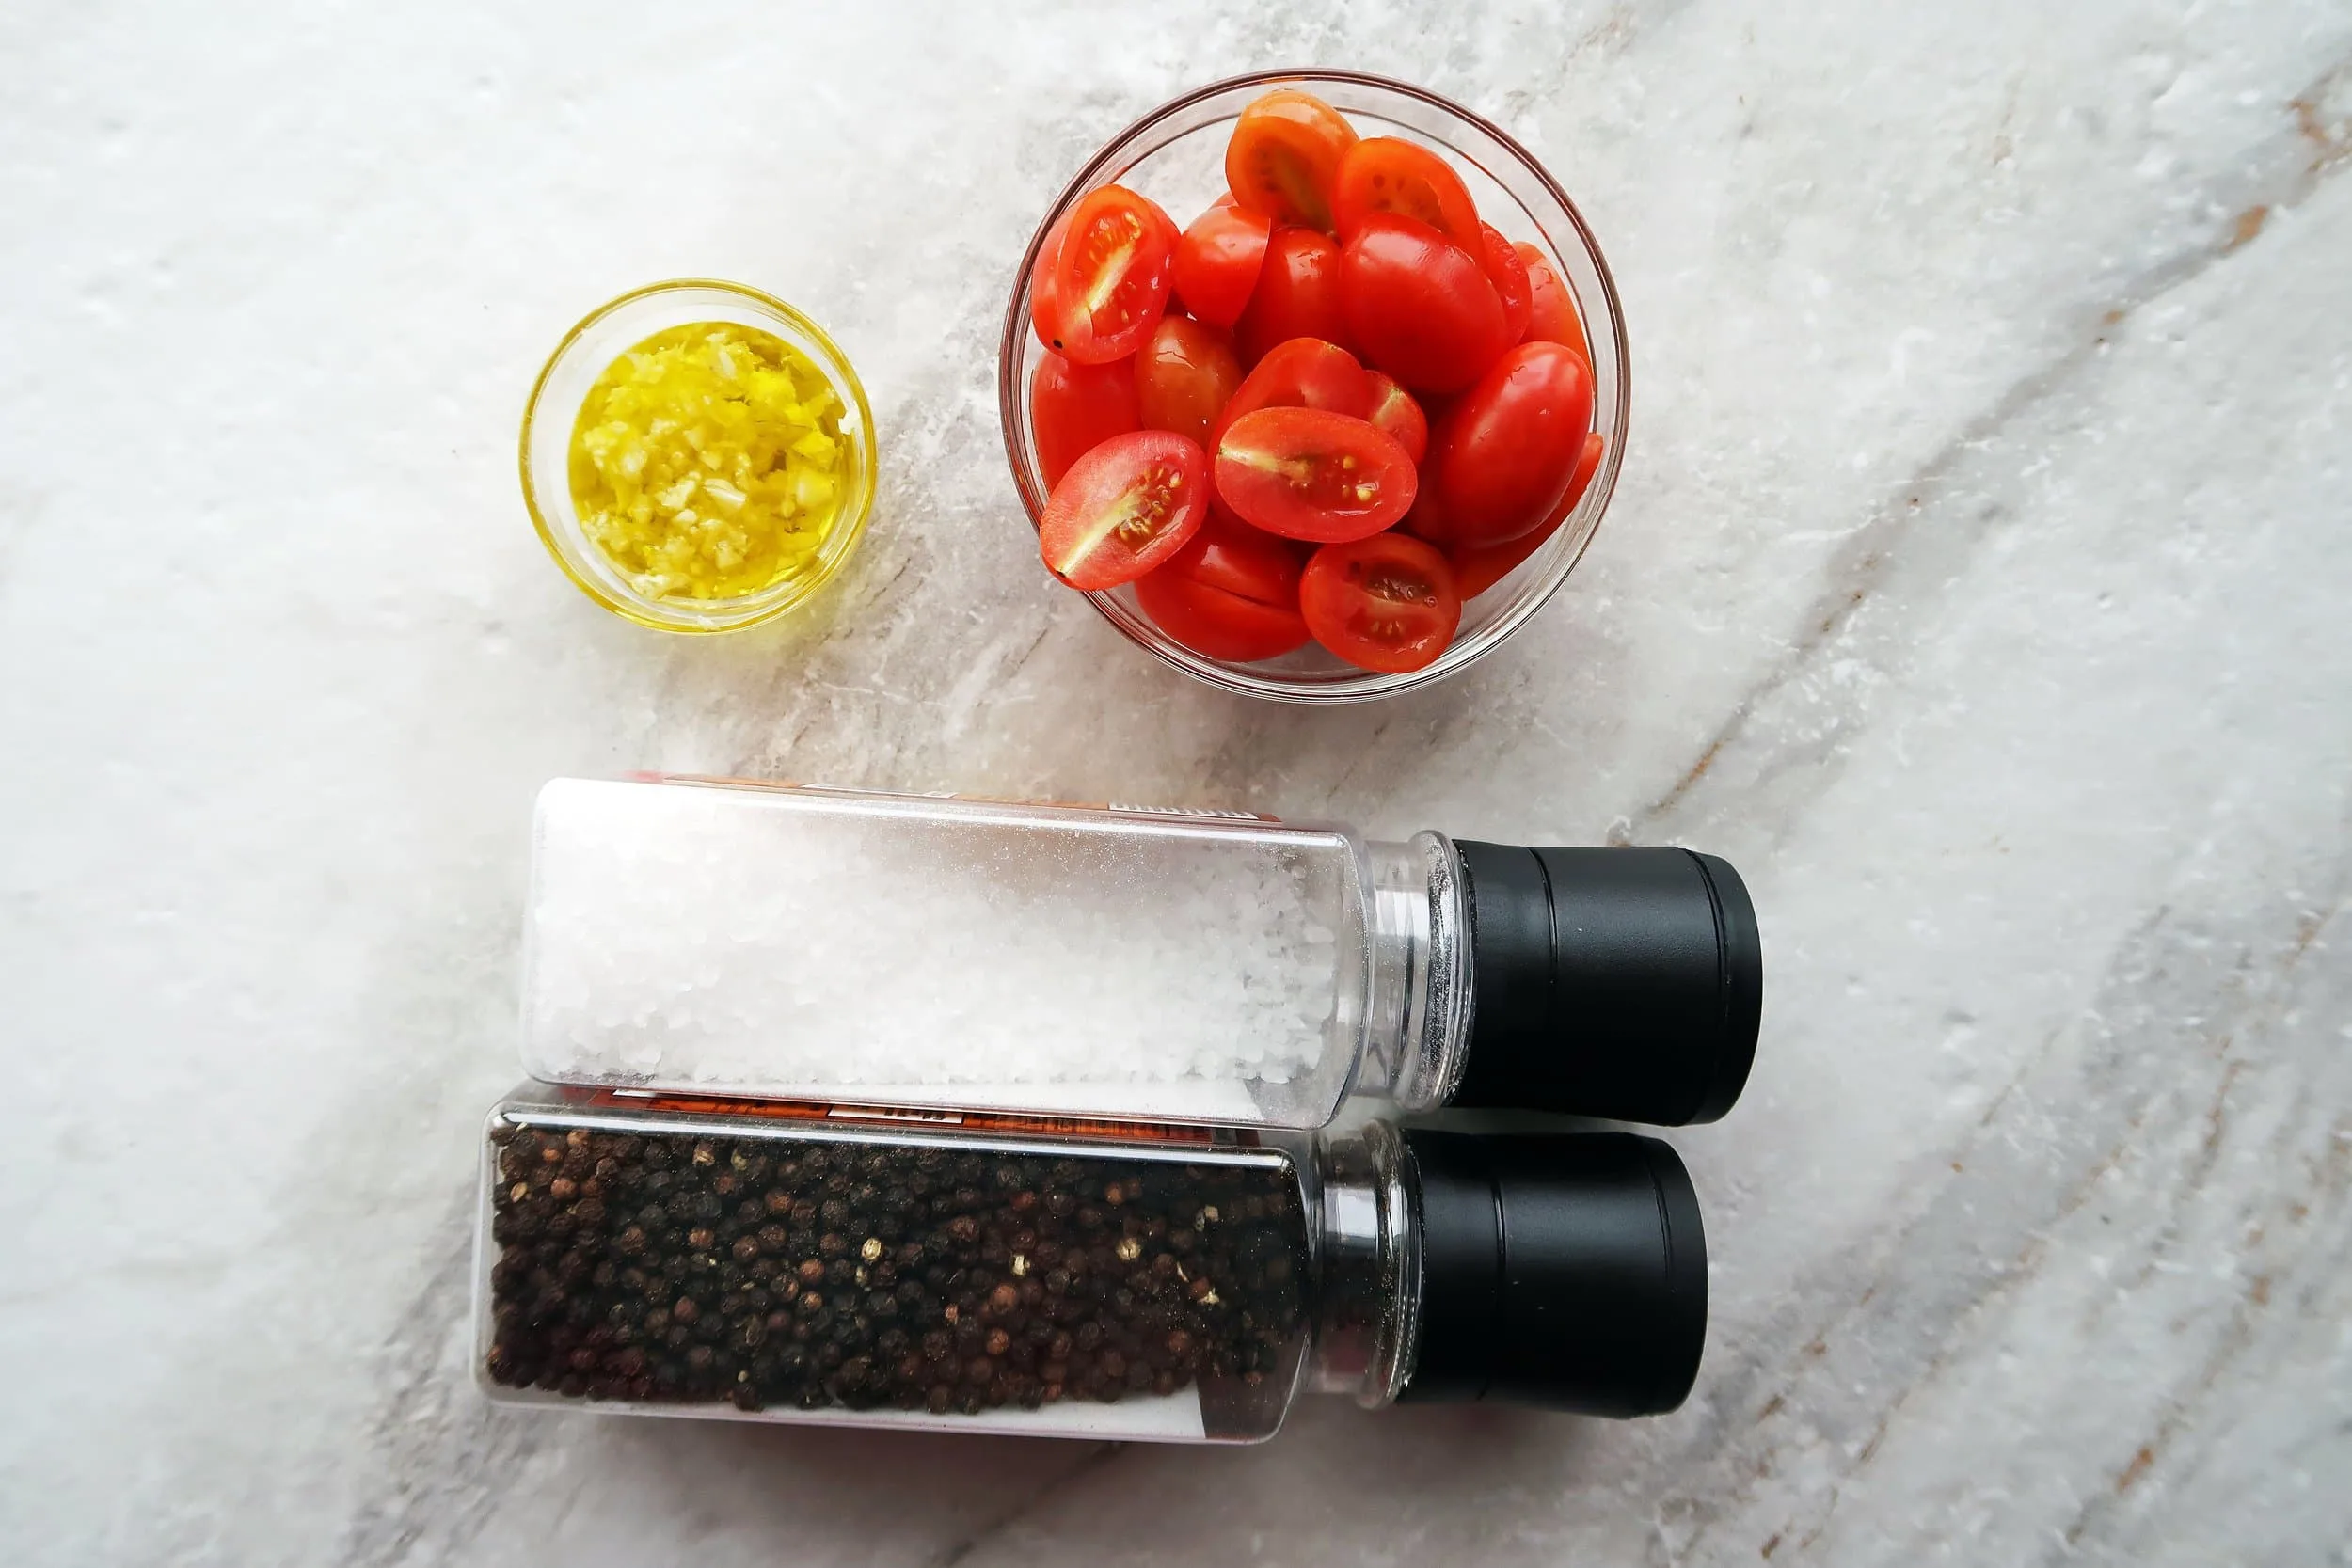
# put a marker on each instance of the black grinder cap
(1618, 983)
(1562, 1270)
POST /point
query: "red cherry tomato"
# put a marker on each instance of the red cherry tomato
(1507, 270)
(1387, 174)
(1284, 157)
(1307, 473)
(1479, 567)
(1419, 305)
(1073, 408)
(1124, 508)
(1100, 290)
(1298, 296)
(1501, 458)
(1395, 415)
(1386, 603)
(1551, 316)
(1044, 308)
(1231, 592)
(1304, 372)
(1217, 262)
(1424, 521)
(1184, 375)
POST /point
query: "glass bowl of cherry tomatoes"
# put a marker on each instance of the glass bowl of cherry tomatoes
(1314, 383)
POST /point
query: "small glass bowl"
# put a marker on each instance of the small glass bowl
(1175, 154)
(554, 408)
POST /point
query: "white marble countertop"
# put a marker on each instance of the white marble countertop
(1978, 584)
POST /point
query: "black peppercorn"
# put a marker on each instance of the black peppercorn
(939, 1280)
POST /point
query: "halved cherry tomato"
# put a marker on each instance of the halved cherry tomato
(1395, 415)
(1042, 297)
(1551, 316)
(1503, 456)
(1386, 603)
(1304, 372)
(1479, 567)
(1100, 291)
(1073, 408)
(1217, 262)
(1298, 296)
(1285, 155)
(1507, 270)
(1185, 374)
(1307, 473)
(1231, 592)
(1124, 508)
(1419, 305)
(1388, 174)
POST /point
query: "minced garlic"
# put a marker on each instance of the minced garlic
(708, 462)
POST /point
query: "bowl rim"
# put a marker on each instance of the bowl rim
(1369, 686)
(778, 598)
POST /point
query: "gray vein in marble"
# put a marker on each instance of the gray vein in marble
(1098, 1456)
(2189, 1009)
(443, 1454)
(2274, 178)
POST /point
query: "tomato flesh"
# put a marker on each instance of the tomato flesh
(1419, 305)
(1103, 286)
(1231, 592)
(1284, 157)
(1479, 567)
(1304, 372)
(1074, 409)
(1395, 415)
(1217, 262)
(1503, 456)
(1184, 375)
(1507, 270)
(1388, 174)
(1551, 314)
(1387, 603)
(1298, 296)
(1307, 473)
(1124, 508)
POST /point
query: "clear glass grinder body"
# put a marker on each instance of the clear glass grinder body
(804, 1269)
(714, 938)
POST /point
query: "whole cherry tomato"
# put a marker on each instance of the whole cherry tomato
(1394, 414)
(1551, 316)
(1424, 521)
(1503, 456)
(1307, 473)
(1298, 296)
(1507, 270)
(1304, 372)
(1284, 157)
(1419, 305)
(1231, 592)
(1386, 603)
(1184, 375)
(1218, 262)
(1387, 174)
(1101, 290)
(1124, 508)
(1073, 408)
(1479, 567)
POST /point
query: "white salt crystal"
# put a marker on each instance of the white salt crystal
(830, 945)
